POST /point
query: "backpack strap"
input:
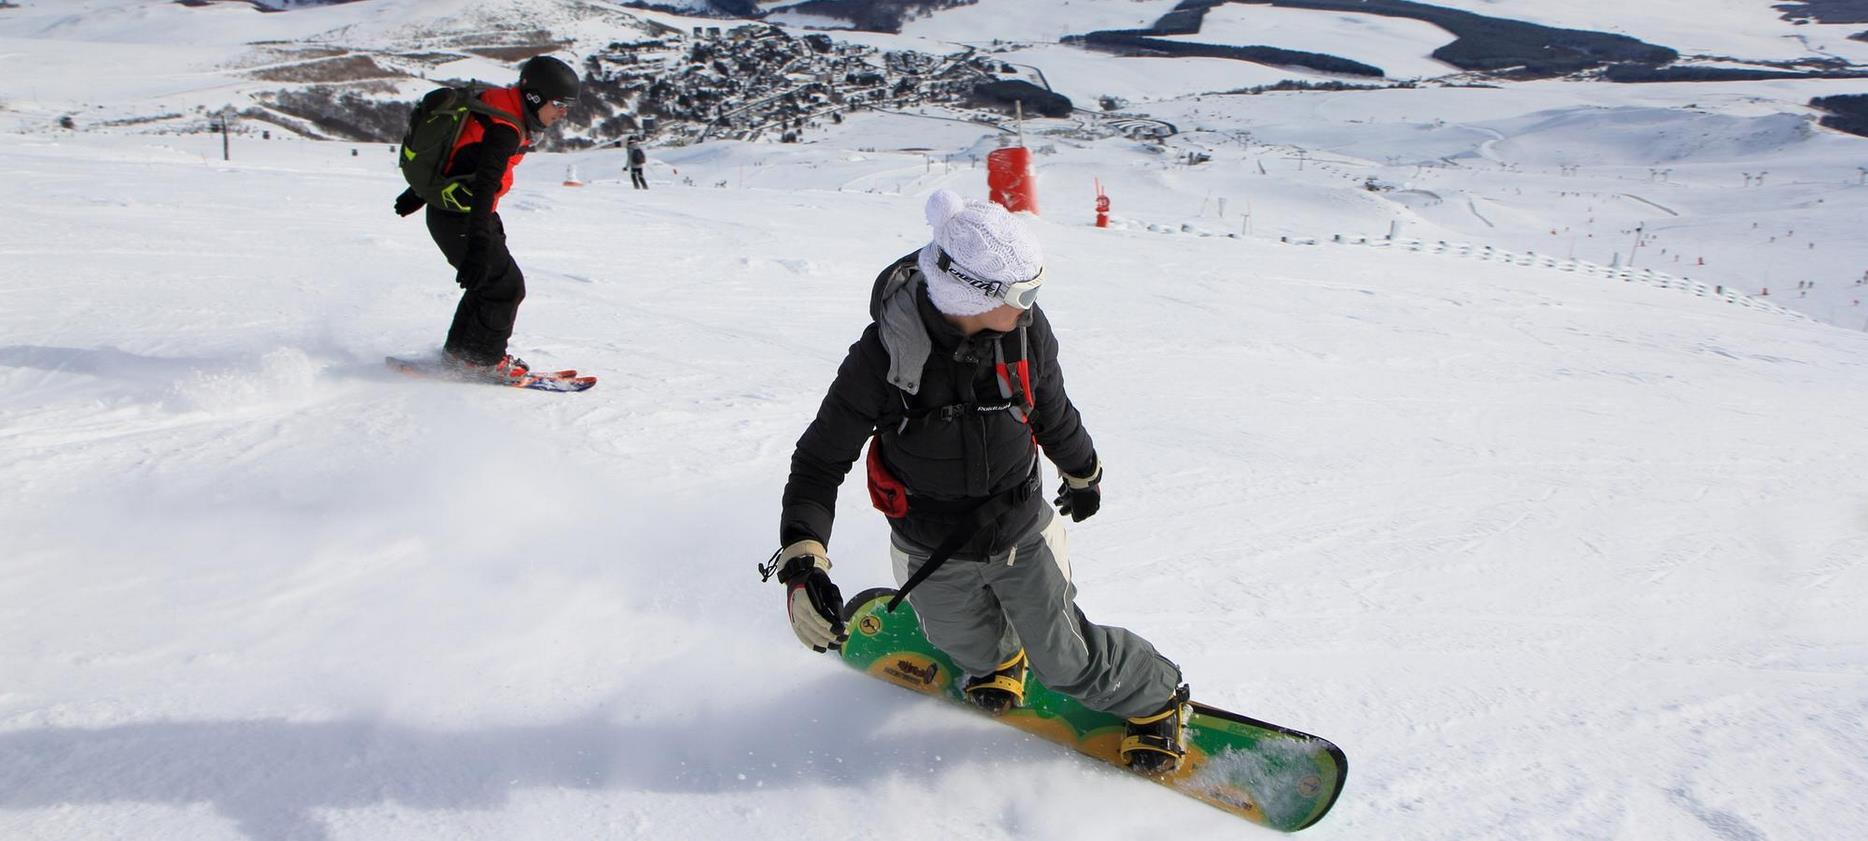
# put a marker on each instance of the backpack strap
(986, 510)
(1015, 377)
(1015, 397)
(488, 111)
(450, 108)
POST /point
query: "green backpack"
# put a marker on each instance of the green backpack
(434, 127)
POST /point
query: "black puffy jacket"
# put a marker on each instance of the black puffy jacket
(954, 441)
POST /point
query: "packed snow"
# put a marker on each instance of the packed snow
(1551, 546)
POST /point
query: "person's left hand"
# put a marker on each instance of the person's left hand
(1078, 497)
(473, 265)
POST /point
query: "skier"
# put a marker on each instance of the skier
(956, 386)
(637, 160)
(468, 228)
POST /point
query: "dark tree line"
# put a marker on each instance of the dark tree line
(1036, 100)
(1140, 41)
(1847, 112)
(1481, 43)
(1825, 11)
(1648, 73)
(1492, 44)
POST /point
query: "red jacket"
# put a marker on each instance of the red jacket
(507, 100)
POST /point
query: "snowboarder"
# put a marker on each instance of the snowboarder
(466, 225)
(956, 387)
(637, 160)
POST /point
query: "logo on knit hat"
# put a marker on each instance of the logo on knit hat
(1021, 294)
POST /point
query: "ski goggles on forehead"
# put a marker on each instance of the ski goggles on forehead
(1020, 295)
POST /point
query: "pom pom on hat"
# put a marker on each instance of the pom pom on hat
(983, 239)
(942, 206)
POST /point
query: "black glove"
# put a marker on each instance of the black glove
(408, 203)
(472, 268)
(812, 602)
(1079, 497)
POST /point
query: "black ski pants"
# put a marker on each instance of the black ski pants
(637, 178)
(483, 320)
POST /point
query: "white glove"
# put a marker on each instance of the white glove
(812, 602)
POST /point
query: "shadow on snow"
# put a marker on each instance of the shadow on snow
(270, 776)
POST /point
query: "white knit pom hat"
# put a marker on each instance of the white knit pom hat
(983, 240)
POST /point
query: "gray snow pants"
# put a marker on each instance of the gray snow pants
(979, 613)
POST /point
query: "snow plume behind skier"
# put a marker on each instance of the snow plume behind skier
(956, 389)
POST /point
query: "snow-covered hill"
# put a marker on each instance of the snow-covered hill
(1551, 552)
(1663, 158)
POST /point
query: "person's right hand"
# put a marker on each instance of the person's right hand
(408, 203)
(812, 602)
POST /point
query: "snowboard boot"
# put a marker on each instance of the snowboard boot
(1001, 691)
(1152, 742)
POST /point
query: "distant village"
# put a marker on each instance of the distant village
(755, 81)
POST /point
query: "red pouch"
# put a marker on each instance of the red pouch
(886, 492)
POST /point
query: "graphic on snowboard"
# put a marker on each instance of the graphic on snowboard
(1271, 775)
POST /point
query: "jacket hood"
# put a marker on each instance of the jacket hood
(893, 304)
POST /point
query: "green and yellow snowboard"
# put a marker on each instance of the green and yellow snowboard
(1269, 775)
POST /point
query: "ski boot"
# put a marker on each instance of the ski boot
(1152, 743)
(1001, 691)
(509, 369)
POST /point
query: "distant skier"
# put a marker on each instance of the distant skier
(956, 387)
(638, 159)
(466, 225)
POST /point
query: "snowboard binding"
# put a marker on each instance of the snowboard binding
(1001, 691)
(1152, 743)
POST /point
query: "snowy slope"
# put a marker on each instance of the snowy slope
(1663, 159)
(1502, 532)
(1549, 553)
(1011, 20)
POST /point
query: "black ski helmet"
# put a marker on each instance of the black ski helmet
(545, 79)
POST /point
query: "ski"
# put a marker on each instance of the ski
(1268, 774)
(567, 380)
